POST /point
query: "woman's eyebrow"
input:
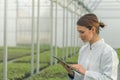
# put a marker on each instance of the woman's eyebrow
(80, 30)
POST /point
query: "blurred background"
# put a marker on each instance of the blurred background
(33, 31)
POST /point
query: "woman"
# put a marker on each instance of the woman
(97, 60)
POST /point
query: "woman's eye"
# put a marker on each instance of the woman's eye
(81, 32)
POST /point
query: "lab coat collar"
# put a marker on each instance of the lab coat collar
(97, 43)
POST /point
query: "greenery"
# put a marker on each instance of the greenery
(20, 51)
(72, 59)
(55, 72)
(118, 51)
(20, 68)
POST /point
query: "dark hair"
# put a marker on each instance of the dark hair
(90, 20)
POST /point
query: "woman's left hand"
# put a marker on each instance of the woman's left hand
(79, 68)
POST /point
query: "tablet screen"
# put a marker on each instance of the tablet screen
(65, 64)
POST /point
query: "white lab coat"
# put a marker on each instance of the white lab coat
(100, 61)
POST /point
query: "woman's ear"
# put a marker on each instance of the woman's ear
(93, 29)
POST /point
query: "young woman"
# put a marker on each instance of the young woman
(97, 60)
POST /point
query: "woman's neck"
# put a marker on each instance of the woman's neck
(94, 39)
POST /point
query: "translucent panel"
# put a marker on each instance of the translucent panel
(56, 34)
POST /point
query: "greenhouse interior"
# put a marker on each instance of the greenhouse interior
(32, 32)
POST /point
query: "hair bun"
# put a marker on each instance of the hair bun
(101, 24)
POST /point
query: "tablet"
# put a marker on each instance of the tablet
(65, 64)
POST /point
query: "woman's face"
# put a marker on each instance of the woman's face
(84, 33)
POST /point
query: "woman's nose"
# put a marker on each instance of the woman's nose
(80, 35)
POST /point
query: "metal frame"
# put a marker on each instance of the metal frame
(51, 47)
(5, 43)
(32, 40)
(38, 35)
(95, 5)
(56, 12)
(63, 50)
(109, 8)
(74, 7)
(66, 7)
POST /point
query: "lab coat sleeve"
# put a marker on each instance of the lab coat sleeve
(108, 68)
(77, 76)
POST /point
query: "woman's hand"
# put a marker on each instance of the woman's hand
(79, 68)
(68, 68)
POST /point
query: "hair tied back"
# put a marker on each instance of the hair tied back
(101, 24)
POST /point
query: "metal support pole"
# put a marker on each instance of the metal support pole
(78, 16)
(71, 50)
(38, 41)
(32, 41)
(5, 43)
(75, 34)
(78, 34)
(16, 18)
(63, 50)
(56, 12)
(51, 50)
(66, 33)
(74, 30)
